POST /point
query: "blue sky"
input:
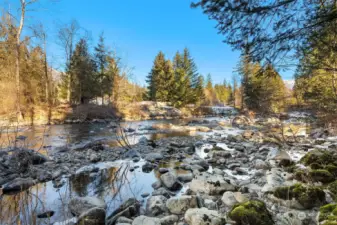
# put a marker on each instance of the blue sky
(138, 30)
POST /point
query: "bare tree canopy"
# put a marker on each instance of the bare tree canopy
(271, 29)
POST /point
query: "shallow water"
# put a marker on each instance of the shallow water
(112, 183)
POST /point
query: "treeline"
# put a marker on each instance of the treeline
(31, 86)
(179, 83)
(262, 88)
(281, 40)
(96, 76)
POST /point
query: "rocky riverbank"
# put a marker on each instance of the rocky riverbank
(252, 176)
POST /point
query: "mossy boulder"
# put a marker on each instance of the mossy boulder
(332, 187)
(251, 213)
(321, 175)
(328, 214)
(309, 176)
(318, 159)
(308, 197)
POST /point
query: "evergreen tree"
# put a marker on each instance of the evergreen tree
(199, 90)
(155, 78)
(192, 76)
(181, 81)
(102, 79)
(82, 68)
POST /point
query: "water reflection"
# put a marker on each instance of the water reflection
(114, 185)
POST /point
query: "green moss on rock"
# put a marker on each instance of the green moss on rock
(251, 213)
(328, 214)
(321, 175)
(318, 159)
(308, 197)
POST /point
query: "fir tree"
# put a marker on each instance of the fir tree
(155, 78)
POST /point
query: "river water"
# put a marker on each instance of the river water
(114, 182)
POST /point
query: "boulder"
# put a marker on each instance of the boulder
(162, 191)
(169, 220)
(203, 216)
(18, 185)
(156, 205)
(229, 199)
(253, 211)
(307, 196)
(154, 156)
(93, 216)
(178, 205)
(128, 209)
(147, 167)
(170, 181)
(144, 220)
(294, 218)
(185, 177)
(80, 205)
(241, 121)
(213, 185)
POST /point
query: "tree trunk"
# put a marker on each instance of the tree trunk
(47, 82)
(17, 60)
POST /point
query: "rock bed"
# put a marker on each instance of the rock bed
(247, 179)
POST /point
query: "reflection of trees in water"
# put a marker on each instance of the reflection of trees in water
(22, 208)
(80, 183)
(115, 185)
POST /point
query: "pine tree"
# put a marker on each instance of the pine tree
(83, 68)
(199, 90)
(192, 76)
(101, 58)
(155, 78)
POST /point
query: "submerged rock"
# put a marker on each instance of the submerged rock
(251, 213)
(80, 205)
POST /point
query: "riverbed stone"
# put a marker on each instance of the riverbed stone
(18, 185)
(253, 211)
(93, 216)
(211, 185)
(229, 199)
(154, 156)
(80, 205)
(170, 181)
(203, 216)
(128, 209)
(185, 177)
(144, 220)
(178, 205)
(169, 220)
(156, 205)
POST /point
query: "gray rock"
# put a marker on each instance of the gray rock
(169, 220)
(144, 220)
(94, 158)
(260, 164)
(18, 185)
(170, 181)
(163, 170)
(203, 216)
(156, 184)
(229, 199)
(162, 191)
(156, 205)
(213, 185)
(187, 177)
(154, 156)
(178, 205)
(94, 216)
(294, 218)
(218, 171)
(123, 219)
(81, 205)
(147, 167)
(128, 209)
